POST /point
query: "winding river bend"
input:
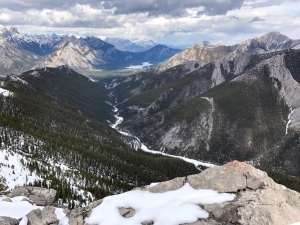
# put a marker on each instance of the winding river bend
(143, 147)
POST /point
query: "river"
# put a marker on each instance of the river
(143, 147)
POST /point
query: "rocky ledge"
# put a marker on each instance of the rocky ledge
(258, 199)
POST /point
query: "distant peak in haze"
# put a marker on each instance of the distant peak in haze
(202, 44)
(7, 31)
(135, 44)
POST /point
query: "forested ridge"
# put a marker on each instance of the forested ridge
(57, 116)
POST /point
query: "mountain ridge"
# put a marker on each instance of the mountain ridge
(174, 110)
(82, 54)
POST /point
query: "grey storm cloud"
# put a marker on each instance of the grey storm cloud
(173, 7)
(153, 7)
(256, 19)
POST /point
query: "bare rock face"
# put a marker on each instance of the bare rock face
(259, 200)
(8, 221)
(231, 177)
(39, 196)
(20, 191)
(91, 206)
(76, 216)
(45, 217)
(44, 196)
(126, 212)
(168, 185)
(7, 200)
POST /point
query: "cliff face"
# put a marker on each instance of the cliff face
(235, 193)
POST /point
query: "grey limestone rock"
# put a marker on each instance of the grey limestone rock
(7, 200)
(91, 206)
(76, 216)
(46, 216)
(126, 212)
(148, 222)
(39, 196)
(38, 199)
(170, 185)
(8, 221)
(231, 177)
(20, 191)
(48, 194)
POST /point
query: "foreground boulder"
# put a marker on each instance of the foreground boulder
(46, 216)
(8, 221)
(39, 196)
(259, 200)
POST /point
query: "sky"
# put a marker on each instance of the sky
(172, 22)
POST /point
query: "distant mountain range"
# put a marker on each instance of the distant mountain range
(136, 44)
(204, 52)
(132, 45)
(21, 52)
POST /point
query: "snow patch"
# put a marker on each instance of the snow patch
(296, 47)
(172, 207)
(18, 209)
(92, 80)
(5, 92)
(288, 123)
(17, 79)
(13, 171)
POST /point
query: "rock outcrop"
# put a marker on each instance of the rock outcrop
(39, 196)
(8, 221)
(76, 216)
(259, 200)
(46, 216)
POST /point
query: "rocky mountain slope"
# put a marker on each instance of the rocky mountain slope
(243, 105)
(205, 52)
(55, 132)
(235, 193)
(21, 52)
(231, 60)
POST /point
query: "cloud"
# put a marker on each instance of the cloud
(167, 21)
(256, 19)
(234, 17)
(174, 7)
(153, 7)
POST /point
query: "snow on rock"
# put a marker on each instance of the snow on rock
(17, 208)
(182, 204)
(5, 92)
(17, 79)
(296, 47)
(258, 200)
